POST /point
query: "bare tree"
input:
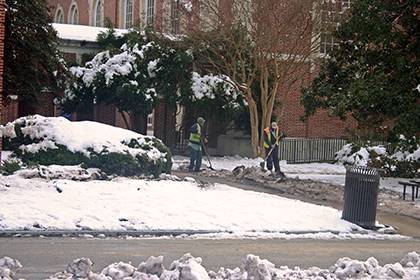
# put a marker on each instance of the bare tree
(258, 42)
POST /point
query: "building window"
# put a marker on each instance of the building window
(328, 43)
(59, 16)
(150, 11)
(74, 15)
(128, 10)
(345, 4)
(98, 13)
(332, 14)
(175, 16)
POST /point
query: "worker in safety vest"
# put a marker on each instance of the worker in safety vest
(195, 144)
(272, 138)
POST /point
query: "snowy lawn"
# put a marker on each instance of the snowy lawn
(128, 204)
(321, 172)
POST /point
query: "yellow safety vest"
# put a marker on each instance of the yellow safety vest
(196, 137)
(268, 132)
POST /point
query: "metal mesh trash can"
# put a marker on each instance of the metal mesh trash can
(361, 196)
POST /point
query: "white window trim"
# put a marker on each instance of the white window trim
(145, 10)
(345, 6)
(124, 14)
(95, 7)
(59, 10)
(70, 15)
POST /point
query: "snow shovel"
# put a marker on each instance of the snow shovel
(262, 164)
(207, 155)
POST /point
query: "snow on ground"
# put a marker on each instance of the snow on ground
(189, 267)
(128, 204)
(229, 163)
(5, 155)
(321, 172)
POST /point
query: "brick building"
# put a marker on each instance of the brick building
(169, 16)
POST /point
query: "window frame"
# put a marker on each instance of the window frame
(73, 14)
(59, 14)
(128, 23)
(331, 19)
(98, 11)
(149, 12)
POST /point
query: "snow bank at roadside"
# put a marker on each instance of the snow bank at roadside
(189, 267)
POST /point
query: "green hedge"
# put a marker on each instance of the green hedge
(111, 163)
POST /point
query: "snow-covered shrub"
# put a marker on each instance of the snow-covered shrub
(401, 160)
(353, 154)
(10, 166)
(46, 141)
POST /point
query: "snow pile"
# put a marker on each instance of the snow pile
(119, 271)
(187, 268)
(28, 136)
(8, 268)
(253, 267)
(75, 173)
(153, 265)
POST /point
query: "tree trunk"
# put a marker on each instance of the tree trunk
(253, 117)
(268, 98)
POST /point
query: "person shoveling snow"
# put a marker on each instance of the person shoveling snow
(196, 145)
(272, 138)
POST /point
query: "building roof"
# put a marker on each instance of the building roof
(81, 32)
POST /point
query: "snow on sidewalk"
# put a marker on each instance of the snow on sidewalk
(128, 204)
(230, 162)
(320, 172)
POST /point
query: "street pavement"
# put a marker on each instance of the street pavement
(42, 257)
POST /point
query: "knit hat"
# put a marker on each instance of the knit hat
(274, 125)
(201, 121)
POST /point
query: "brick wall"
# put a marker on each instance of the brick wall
(112, 9)
(289, 112)
(11, 110)
(2, 19)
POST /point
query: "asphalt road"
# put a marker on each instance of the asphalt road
(43, 257)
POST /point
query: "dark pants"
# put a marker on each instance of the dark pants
(273, 159)
(195, 160)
